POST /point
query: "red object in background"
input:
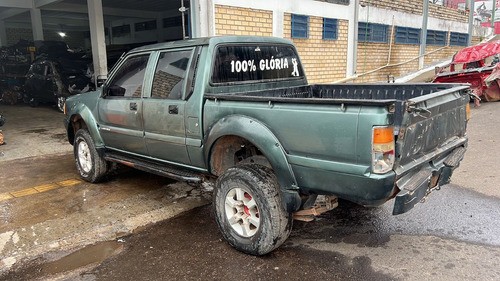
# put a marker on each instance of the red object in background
(477, 52)
(484, 79)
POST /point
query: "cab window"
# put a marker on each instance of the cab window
(170, 74)
(255, 63)
(128, 79)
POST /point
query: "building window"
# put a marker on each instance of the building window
(300, 26)
(407, 35)
(435, 37)
(372, 32)
(458, 39)
(145, 25)
(329, 29)
(122, 30)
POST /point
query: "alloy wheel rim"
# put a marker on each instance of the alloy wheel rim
(242, 212)
(84, 157)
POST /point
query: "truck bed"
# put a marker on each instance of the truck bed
(360, 94)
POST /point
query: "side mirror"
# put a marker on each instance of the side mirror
(115, 91)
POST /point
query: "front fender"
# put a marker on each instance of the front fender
(81, 111)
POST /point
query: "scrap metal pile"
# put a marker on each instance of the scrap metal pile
(14, 63)
(477, 65)
(43, 72)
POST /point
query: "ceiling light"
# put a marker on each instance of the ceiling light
(62, 34)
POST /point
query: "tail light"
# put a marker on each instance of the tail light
(383, 149)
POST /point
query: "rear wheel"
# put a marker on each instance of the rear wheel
(91, 166)
(249, 210)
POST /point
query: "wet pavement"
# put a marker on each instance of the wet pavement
(444, 239)
(56, 227)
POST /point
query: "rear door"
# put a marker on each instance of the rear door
(432, 125)
(120, 109)
(164, 107)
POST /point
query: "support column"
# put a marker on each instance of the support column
(423, 35)
(96, 20)
(471, 22)
(278, 23)
(352, 39)
(210, 17)
(36, 24)
(3, 34)
(493, 10)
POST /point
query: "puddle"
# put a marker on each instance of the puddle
(96, 253)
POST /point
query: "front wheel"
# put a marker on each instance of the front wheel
(89, 163)
(249, 211)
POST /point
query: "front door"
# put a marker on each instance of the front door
(164, 115)
(120, 109)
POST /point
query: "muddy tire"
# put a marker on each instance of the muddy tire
(249, 211)
(90, 164)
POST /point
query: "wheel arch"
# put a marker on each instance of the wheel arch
(256, 133)
(82, 118)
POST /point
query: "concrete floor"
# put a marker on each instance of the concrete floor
(44, 206)
(56, 227)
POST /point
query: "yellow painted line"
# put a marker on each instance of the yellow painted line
(46, 187)
(5, 196)
(38, 189)
(24, 192)
(69, 182)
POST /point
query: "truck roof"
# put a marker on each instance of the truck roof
(211, 41)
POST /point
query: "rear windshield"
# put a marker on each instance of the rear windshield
(255, 63)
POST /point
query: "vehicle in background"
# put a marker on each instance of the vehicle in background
(51, 80)
(478, 66)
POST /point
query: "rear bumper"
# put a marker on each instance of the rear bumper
(416, 187)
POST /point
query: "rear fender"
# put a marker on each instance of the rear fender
(260, 136)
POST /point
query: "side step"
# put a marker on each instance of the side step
(155, 168)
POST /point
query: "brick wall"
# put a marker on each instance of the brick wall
(324, 61)
(241, 21)
(476, 40)
(374, 55)
(416, 7)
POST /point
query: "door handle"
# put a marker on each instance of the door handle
(173, 109)
(133, 106)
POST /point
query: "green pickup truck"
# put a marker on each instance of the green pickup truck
(238, 111)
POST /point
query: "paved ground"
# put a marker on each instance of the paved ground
(50, 216)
